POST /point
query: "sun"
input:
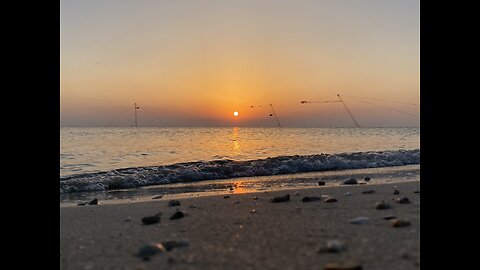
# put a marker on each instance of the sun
(235, 113)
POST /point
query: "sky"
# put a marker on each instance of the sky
(195, 62)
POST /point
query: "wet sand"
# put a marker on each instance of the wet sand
(223, 233)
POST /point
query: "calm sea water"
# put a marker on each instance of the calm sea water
(85, 150)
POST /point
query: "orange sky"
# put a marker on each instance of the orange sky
(192, 63)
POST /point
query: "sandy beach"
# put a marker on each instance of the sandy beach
(224, 233)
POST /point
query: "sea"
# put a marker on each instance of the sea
(174, 159)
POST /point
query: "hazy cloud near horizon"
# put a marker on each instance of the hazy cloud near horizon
(192, 63)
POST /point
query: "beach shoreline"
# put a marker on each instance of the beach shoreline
(225, 233)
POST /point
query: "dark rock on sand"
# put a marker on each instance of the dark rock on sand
(226, 197)
(366, 179)
(253, 211)
(82, 204)
(359, 220)
(333, 246)
(157, 197)
(382, 206)
(397, 223)
(321, 183)
(350, 181)
(311, 199)
(389, 217)
(169, 245)
(403, 200)
(330, 200)
(151, 219)
(177, 215)
(368, 191)
(417, 192)
(93, 202)
(283, 198)
(173, 203)
(255, 198)
(342, 266)
(150, 250)
(396, 192)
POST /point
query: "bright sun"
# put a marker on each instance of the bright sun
(235, 113)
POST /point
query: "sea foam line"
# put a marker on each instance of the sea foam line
(226, 168)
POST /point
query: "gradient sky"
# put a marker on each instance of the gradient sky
(192, 63)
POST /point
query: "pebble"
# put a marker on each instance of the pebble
(350, 181)
(128, 219)
(342, 266)
(157, 197)
(382, 206)
(173, 203)
(417, 192)
(283, 198)
(93, 202)
(362, 183)
(321, 183)
(151, 219)
(296, 193)
(396, 192)
(330, 200)
(150, 250)
(231, 188)
(177, 215)
(169, 245)
(348, 194)
(366, 179)
(81, 204)
(253, 211)
(333, 246)
(389, 217)
(255, 198)
(359, 220)
(368, 191)
(226, 197)
(397, 223)
(311, 199)
(403, 200)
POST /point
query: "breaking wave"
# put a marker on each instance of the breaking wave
(226, 168)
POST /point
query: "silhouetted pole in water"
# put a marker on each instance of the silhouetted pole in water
(136, 108)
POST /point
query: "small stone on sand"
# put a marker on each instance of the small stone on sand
(417, 192)
(253, 211)
(366, 179)
(333, 246)
(169, 245)
(151, 219)
(296, 193)
(157, 197)
(397, 223)
(389, 217)
(403, 200)
(174, 203)
(382, 206)
(342, 266)
(226, 197)
(368, 191)
(359, 220)
(311, 199)
(255, 198)
(396, 192)
(93, 202)
(321, 183)
(283, 198)
(177, 215)
(348, 194)
(330, 200)
(150, 250)
(81, 204)
(350, 181)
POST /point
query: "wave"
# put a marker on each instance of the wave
(226, 168)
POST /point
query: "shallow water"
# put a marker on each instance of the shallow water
(87, 150)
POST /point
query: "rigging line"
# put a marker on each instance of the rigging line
(386, 100)
(118, 116)
(388, 108)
